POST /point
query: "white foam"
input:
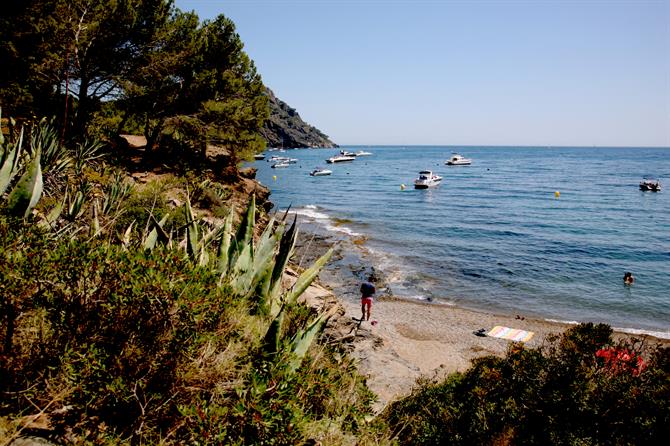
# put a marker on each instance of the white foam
(558, 321)
(312, 212)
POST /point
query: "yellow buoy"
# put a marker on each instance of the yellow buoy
(402, 187)
(274, 177)
(557, 194)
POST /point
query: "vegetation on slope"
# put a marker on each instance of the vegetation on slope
(171, 330)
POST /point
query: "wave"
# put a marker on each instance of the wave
(329, 223)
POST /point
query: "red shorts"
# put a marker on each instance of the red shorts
(366, 301)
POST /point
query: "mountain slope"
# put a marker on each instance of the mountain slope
(286, 129)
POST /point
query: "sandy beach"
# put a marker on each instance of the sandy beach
(412, 339)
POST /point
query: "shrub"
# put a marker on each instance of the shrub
(562, 393)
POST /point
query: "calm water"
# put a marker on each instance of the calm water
(493, 236)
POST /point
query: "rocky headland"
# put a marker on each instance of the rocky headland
(286, 129)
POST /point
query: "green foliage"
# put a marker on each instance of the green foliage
(559, 394)
(151, 345)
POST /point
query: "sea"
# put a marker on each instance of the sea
(546, 232)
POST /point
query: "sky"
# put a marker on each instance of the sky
(531, 73)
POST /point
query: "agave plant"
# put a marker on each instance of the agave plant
(115, 193)
(28, 189)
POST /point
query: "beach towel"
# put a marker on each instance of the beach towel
(511, 333)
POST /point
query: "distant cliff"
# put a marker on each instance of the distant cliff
(286, 129)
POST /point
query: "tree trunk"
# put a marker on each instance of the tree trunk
(152, 136)
(83, 109)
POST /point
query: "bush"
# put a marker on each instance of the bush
(562, 393)
(147, 347)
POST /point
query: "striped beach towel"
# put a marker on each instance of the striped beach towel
(511, 333)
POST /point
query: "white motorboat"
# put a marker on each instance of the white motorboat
(259, 156)
(280, 164)
(320, 171)
(284, 159)
(650, 184)
(458, 160)
(340, 159)
(345, 153)
(427, 179)
(363, 153)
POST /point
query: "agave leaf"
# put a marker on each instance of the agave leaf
(266, 244)
(272, 338)
(203, 259)
(8, 168)
(264, 277)
(95, 226)
(307, 277)
(243, 271)
(245, 232)
(224, 243)
(157, 232)
(264, 259)
(192, 232)
(303, 338)
(207, 239)
(126, 235)
(53, 216)
(27, 191)
(281, 260)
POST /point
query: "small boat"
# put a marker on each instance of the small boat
(650, 184)
(280, 164)
(320, 171)
(345, 153)
(259, 156)
(458, 160)
(363, 153)
(284, 159)
(340, 159)
(427, 179)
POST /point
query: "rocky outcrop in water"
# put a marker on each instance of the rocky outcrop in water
(285, 128)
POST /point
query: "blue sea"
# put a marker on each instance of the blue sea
(494, 236)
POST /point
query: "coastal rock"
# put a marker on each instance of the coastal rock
(285, 128)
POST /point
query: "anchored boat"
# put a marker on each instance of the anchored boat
(458, 160)
(427, 179)
(650, 184)
(320, 171)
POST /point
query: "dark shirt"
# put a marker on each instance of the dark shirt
(367, 289)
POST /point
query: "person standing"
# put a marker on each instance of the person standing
(367, 293)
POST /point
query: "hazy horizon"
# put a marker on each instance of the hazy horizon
(507, 73)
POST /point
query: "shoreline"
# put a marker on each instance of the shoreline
(412, 338)
(353, 255)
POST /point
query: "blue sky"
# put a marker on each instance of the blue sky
(464, 72)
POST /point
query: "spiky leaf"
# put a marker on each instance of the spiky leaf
(224, 243)
(307, 277)
(157, 233)
(245, 231)
(8, 168)
(27, 191)
(272, 339)
(303, 338)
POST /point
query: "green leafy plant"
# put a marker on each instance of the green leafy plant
(561, 393)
